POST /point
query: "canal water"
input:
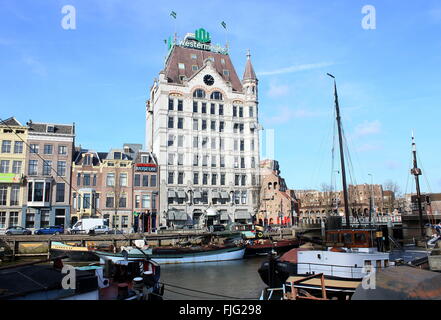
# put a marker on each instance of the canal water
(234, 279)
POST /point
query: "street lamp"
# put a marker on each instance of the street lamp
(371, 211)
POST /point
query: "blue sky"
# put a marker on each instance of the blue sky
(98, 75)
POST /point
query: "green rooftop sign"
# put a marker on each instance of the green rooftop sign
(202, 35)
(9, 177)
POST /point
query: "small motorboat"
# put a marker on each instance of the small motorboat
(173, 255)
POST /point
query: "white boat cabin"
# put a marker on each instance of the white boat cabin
(351, 254)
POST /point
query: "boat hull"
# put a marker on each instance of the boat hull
(73, 253)
(224, 254)
(266, 248)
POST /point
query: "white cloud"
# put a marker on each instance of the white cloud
(277, 90)
(369, 147)
(295, 68)
(285, 114)
(392, 165)
(368, 128)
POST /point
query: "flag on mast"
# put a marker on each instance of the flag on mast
(173, 14)
(224, 24)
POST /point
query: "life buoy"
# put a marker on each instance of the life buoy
(259, 234)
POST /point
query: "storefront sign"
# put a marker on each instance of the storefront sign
(9, 177)
(145, 167)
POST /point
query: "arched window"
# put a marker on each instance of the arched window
(199, 93)
(269, 185)
(216, 95)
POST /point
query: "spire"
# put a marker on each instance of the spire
(249, 73)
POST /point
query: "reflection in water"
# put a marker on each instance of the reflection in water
(237, 278)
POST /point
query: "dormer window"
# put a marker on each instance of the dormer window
(87, 161)
(223, 61)
(216, 95)
(226, 73)
(194, 68)
(199, 93)
(117, 155)
(50, 128)
(181, 66)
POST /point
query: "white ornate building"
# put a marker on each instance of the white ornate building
(202, 124)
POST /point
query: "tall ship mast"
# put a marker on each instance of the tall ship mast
(342, 158)
(417, 172)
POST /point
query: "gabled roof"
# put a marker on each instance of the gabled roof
(57, 128)
(11, 122)
(184, 55)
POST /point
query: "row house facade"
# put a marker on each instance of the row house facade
(13, 136)
(277, 205)
(48, 175)
(116, 187)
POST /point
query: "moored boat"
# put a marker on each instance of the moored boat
(175, 255)
(265, 246)
(74, 253)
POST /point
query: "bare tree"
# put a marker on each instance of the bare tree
(390, 201)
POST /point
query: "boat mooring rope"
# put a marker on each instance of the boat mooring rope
(205, 292)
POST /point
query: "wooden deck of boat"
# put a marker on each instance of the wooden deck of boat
(329, 283)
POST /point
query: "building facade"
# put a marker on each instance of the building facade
(202, 125)
(277, 206)
(315, 206)
(48, 175)
(13, 136)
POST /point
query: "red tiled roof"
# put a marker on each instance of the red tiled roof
(183, 55)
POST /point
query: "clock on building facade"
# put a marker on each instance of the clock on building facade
(208, 80)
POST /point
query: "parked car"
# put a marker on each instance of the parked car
(17, 230)
(50, 230)
(99, 230)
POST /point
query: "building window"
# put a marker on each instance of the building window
(170, 104)
(234, 111)
(213, 143)
(240, 112)
(180, 141)
(180, 178)
(48, 149)
(244, 177)
(59, 195)
(18, 147)
(205, 179)
(204, 160)
(171, 177)
(199, 93)
(221, 126)
(153, 180)
(194, 67)
(180, 105)
(124, 222)
(242, 145)
(204, 142)
(61, 168)
(137, 201)
(244, 197)
(6, 146)
(195, 142)
(212, 108)
(47, 165)
(30, 220)
(2, 220)
(171, 159)
(110, 180)
(204, 108)
(221, 109)
(3, 195)
(146, 201)
(222, 161)
(32, 171)
(145, 180)
(123, 179)
(171, 139)
(213, 161)
(180, 159)
(213, 125)
(221, 144)
(242, 162)
(236, 179)
(33, 148)
(62, 149)
(251, 111)
(216, 95)
(195, 106)
(180, 123)
(13, 219)
(204, 124)
(122, 201)
(222, 179)
(214, 179)
(170, 123)
(4, 166)
(16, 166)
(195, 124)
(196, 178)
(181, 66)
(109, 201)
(137, 180)
(115, 221)
(195, 160)
(193, 56)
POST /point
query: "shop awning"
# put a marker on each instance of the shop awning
(211, 212)
(197, 195)
(215, 195)
(242, 215)
(176, 215)
(224, 216)
(181, 194)
(171, 194)
(224, 195)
